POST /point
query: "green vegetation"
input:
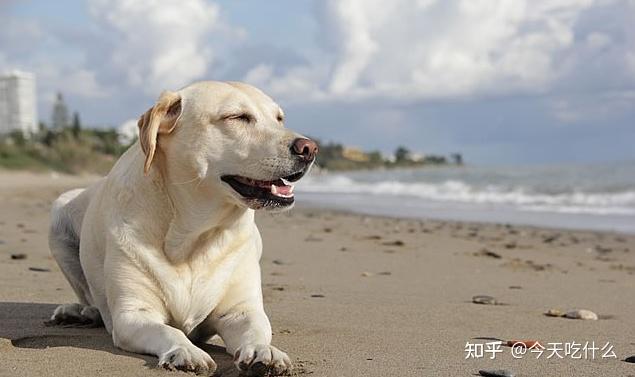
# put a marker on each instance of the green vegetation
(64, 147)
(69, 150)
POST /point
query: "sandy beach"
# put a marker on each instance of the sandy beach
(354, 295)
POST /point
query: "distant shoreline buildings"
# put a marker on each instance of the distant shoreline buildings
(18, 102)
(60, 117)
(335, 156)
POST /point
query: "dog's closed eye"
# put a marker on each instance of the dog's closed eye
(241, 117)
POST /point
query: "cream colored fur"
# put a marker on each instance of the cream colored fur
(170, 256)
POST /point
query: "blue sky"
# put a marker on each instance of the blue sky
(510, 81)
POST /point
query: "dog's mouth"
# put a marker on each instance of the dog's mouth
(260, 194)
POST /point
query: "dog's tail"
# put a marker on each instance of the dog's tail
(64, 242)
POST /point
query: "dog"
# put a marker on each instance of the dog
(164, 251)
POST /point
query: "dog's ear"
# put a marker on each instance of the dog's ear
(159, 119)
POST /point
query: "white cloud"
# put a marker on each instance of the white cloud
(415, 49)
(403, 51)
(83, 82)
(354, 21)
(259, 74)
(132, 48)
(598, 40)
(127, 131)
(158, 45)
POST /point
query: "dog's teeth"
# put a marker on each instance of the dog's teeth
(274, 190)
(291, 189)
(286, 183)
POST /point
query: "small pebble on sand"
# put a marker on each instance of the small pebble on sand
(484, 300)
(39, 269)
(488, 253)
(550, 238)
(366, 274)
(630, 359)
(496, 373)
(317, 295)
(582, 314)
(18, 256)
(394, 243)
(554, 313)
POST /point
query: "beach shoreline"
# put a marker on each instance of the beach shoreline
(351, 294)
(574, 196)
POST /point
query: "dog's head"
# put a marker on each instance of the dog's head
(228, 139)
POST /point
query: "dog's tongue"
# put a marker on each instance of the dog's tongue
(282, 190)
(285, 190)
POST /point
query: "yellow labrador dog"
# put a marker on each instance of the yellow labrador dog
(164, 250)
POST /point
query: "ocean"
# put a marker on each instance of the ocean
(594, 196)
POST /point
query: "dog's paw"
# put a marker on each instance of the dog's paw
(188, 359)
(75, 315)
(262, 360)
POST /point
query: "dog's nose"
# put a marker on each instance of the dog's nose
(306, 148)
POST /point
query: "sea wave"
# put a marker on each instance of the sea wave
(522, 198)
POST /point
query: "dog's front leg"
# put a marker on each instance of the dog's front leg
(141, 331)
(247, 335)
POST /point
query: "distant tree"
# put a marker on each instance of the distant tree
(18, 138)
(329, 153)
(435, 160)
(49, 138)
(375, 157)
(76, 127)
(108, 142)
(402, 154)
(457, 158)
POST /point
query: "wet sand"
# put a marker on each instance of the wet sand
(353, 295)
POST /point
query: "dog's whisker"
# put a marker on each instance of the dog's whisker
(199, 183)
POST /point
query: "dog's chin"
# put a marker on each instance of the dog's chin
(274, 195)
(268, 206)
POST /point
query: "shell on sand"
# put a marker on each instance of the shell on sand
(581, 314)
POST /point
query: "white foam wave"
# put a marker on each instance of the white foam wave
(602, 203)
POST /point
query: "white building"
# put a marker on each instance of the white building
(18, 102)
